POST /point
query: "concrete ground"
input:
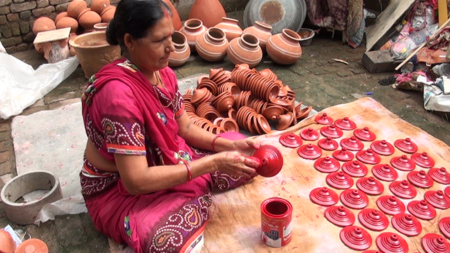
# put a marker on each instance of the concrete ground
(317, 79)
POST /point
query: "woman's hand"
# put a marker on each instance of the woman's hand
(235, 164)
(246, 146)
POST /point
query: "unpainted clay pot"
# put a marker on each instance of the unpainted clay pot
(192, 29)
(260, 30)
(230, 27)
(101, 27)
(175, 16)
(88, 19)
(212, 45)
(68, 22)
(108, 13)
(284, 48)
(75, 8)
(7, 244)
(182, 50)
(60, 16)
(99, 5)
(210, 12)
(245, 49)
(43, 24)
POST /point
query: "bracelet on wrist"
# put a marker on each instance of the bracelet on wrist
(188, 169)
(213, 143)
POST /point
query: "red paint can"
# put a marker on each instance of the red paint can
(276, 225)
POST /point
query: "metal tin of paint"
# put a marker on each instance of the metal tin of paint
(276, 225)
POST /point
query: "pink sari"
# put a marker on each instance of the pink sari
(124, 113)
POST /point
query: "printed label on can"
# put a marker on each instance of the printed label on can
(276, 232)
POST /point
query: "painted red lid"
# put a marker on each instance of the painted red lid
(328, 143)
(355, 168)
(309, 134)
(384, 172)
(370, 186)
(290, 140)
(435, 243)
(390, 205)
(423, 160)
(327, 164)
(437, 199)
(323, 196)
(406, 224)
(270, 159)
(406, 145)
(391, 242)
(340, 216)
(356, 238)
(354, 198)
(352, 143)
(364, 134)
(368, 156)
(382, 147)
(371, 251)
(420, 179)
(421, 209)
(403, 163)
(32, 245)
(440, 175)
(323, 119)
(343, 155)
(447, 191)
(339, 180)
(309, 151)
(373, 219)
(331, 131)
(345, 124)
(403, 189)
(444, 226)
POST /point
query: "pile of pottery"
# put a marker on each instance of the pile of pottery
(243, 98)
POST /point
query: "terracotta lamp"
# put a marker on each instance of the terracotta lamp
(270, 159)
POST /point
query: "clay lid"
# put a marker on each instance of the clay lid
(339, 180)
(364, 134)
(444, 226)
(290, 140)
(327, 164)
(323, 196)
(403, 189)
(273, 112)
(345, 124)
(284, 121)
(323, 119)
(270, 159)
(343, 155)
(391, 242)
(406, 145)
(368, 156)
(355, 169)
(32, 246)
(384, 172)
(331, 131)
(309, 134)
(447, 191)
(421, 209)
(353, 198)
(373, 219)
(309, 151)
(390, 205)
(371, 251)
(382, 147)
(423, 160)
(440, 175)
(435, 243)
(7, 243)
(352, 144)
(403, 163)
(328, 144)
(406, 224)
(437, 199)
(340, 216)
(370, 186)
(420, 179)
(355, 238)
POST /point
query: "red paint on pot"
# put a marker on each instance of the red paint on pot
(276, 225)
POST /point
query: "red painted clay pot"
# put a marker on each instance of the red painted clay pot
(75, 8)
(210, 12)
(245, 49)
(192, 29)
(182, 50)
(68, 22)
(284, 48)
(43, 24)
(260, 30)
(212, 45)
(230, 27)
(175, 16)
(271, 160)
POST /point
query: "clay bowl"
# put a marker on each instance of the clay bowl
(273, 112)
(285, 121)
(270, 159)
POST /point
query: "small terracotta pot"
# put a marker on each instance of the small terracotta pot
(245, 49)
(284, 48)
(75, 8)
(230, 27)
(108, 13)
(192, 29)
(99, 5)
(212, 45)
(182, 50)
(43, 24)
(68, 22)
(61, 15)
(88, 19)
(260, 30)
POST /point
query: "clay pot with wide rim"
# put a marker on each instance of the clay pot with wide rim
(284, 48)
(75, 8)
(99, 5)
(101, 27)
(88, 19)
(182, 50)
(67, 22)
(260, 30)
(212, 45)
(192, 29)
(230, 27)
(108, 13)
(43, 24)
(245, 49)
(210, 12)
(175, 16)
(60, 16)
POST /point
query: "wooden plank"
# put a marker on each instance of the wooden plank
(379, 61)
(52, 35)
(387, 19)
(443, 11)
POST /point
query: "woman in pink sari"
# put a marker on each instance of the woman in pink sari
(146, 178)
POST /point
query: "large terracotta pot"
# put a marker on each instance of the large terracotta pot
(99, 5)
(210, 12)
(245, 49)
(230, 27)
(93, 51)
(67, 22)
(284, 48)
(88, 19)
(108, 13)
(175, 16)
(75, 8)
(193, 28)
(262, 31)
(43, 24)
(212, 45)
(60, 16)
(182, 50)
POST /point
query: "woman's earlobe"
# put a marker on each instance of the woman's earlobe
(128, 41)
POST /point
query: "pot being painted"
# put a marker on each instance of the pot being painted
(182, 50)
(212, 45)
(284, 48)
(245, 49)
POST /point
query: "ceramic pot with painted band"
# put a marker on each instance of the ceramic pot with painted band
(245, 49)
(182, 50)
(230, 27)
(212, 45)
(284, 48)
(260, 30)
(192, 29)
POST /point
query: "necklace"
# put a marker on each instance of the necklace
(161, 96)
